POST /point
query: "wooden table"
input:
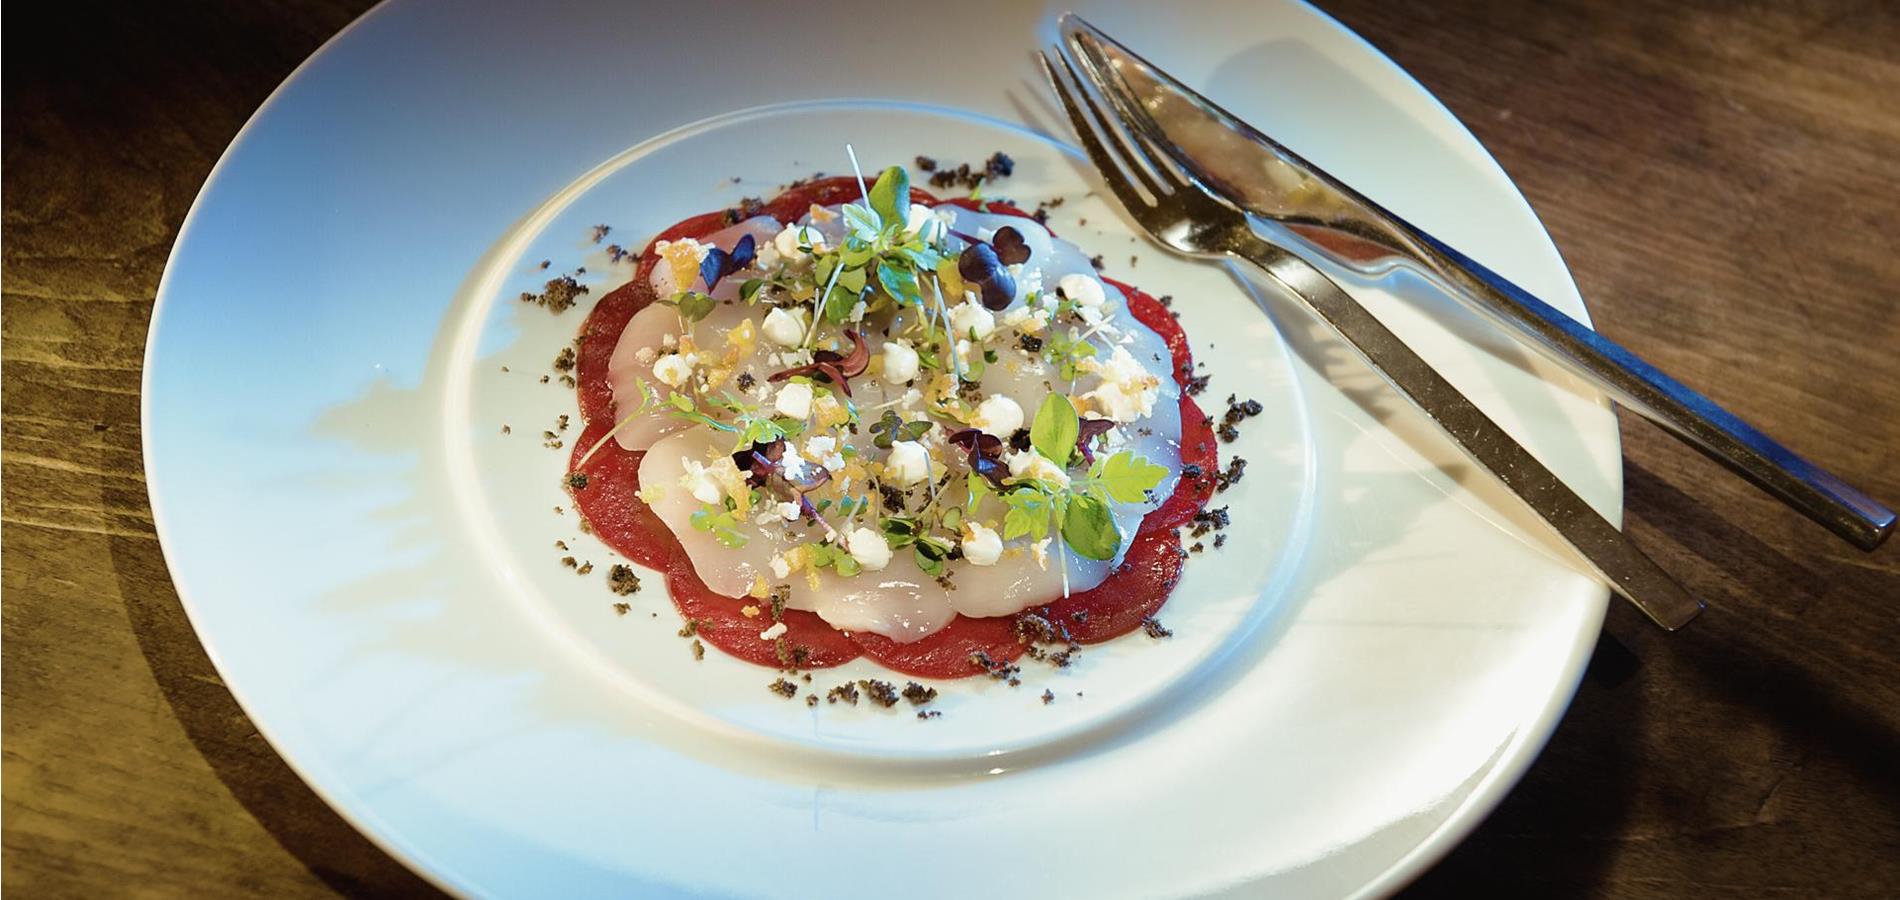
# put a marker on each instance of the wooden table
(1672, 148)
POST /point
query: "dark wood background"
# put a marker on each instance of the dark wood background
(1723, 177)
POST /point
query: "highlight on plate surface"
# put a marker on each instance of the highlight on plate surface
(857, 420)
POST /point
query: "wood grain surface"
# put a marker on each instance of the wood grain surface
(1679, 152)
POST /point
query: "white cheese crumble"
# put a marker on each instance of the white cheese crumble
(784, 327)
(788, 511)
(900, 362)
(867, 546)
(701, 481)
(972, 318)
(1030, 464)
(1128, 390)
(981, 546)
(673, 369)
(908, 463)
(788, 242)
(824, 449)
(999, 415)
(1027, 320)
(1082, 290)
(780, 568)
(794, 400)
(773, 633)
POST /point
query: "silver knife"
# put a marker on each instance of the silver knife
(1258, 174)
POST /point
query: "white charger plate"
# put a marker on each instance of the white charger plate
(1353, 682)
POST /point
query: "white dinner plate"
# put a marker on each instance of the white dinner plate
(1353, 681)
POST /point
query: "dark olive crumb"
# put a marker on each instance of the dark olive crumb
(848, 692)
(1196, 548)
(577, 480)
(926, 164)
(565, 360)
(1096, 261)
(1153, 628)
(780, 595)
(622, 581)
(544, 264)
(1228, 433)
(586, 568)
(1041, 216)
(811, 699)
(1236, 467)
(918, 694)
(999, 165)
(929, 714)
(1019, 440)
(1029, 343)
(557, 295)
(616, 253)
(1220, 540)
(1132, 259)
(1196, 384)
(805, 677)
(1079, 617)
(699, 650)
(600, 232)
(746, 381)
(883, 693)
(1166, 299)
(623, 608)
(783, 688)
(1210, 520)
(560, 545)
(1048, 697)
(570, 562)
(893, 497)
(1001, 671)
(1192, 471)
(506, 430)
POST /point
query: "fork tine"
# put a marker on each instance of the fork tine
(1141, 132)
(1111, 164)
(1137, 128)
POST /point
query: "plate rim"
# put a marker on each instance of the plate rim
(1514, 759)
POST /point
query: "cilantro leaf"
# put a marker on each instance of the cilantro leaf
(1126, 477)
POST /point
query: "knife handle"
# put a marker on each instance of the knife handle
(1615, 559)
(1651, 393)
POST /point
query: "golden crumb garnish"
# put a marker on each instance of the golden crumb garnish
(650, 493)
(759, 588)
(749, 611)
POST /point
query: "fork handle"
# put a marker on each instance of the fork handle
(1616, 560)
(1651, 393)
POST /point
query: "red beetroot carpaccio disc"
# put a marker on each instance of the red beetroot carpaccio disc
(1134, 591)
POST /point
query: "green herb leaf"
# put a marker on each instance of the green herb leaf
(864, 222)
(693, 305)
(1029, 512)
(750, 288)
(720, 522)
(890, 196)
(1126, 477)
(1055, 428)
(1089, 529)
(900, 282)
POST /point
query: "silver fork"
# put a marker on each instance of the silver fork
(1325, 216)
(1182, 216)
